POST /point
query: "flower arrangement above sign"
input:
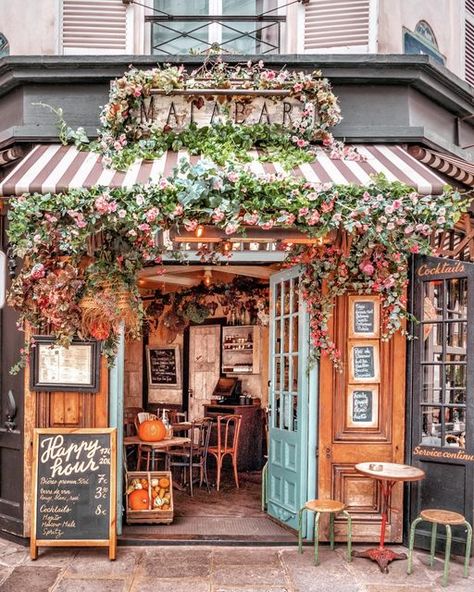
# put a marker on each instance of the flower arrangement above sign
(233, 109)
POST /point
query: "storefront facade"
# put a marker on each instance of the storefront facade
(314, 448)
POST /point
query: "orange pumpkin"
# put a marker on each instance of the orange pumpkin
(139, 500)
(152, 430)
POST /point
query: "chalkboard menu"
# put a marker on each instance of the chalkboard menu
(164, 369)
(364, 362)
(363, 406)
(364, 316)
(74, 488)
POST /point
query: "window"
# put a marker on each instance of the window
(4, 46)
(235, 26)
(422, 41)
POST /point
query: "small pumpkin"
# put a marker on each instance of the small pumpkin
(164, 482)
(152, 430)
(139, 500)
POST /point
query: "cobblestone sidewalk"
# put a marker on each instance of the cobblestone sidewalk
(215, 569)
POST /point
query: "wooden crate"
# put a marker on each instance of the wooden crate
(151, 515)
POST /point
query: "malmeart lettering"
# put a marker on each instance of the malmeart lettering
(175, 111)
(439, 268)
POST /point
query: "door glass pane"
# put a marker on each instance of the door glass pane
(456, 338)
(277, 344)
(455, 396)
(455, 375)
(286, 297)
(455, 427)
(277, 300)
(295, 335)
(431, 379)
(456, 296)
(277, 373)
(431, 426)
(432, 342)
(286, 373)
(286, 335)
(433, 301)
(294, 384)
(296, 294)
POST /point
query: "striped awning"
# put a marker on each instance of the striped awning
(456, 168)
(56, 168)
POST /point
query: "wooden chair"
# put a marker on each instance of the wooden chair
(177, 416)
(129, 417)
(144, 450)
(194, 454)
(228, 432)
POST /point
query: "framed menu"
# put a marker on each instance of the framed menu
(363, 406)
(57, 368)
(74, 488)
(164, 366)
(364, 361)
(364, 317)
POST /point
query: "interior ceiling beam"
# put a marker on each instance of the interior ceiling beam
(170, 270)
(169, 279)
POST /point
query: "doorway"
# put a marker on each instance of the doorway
(237, 514)
(441, 410)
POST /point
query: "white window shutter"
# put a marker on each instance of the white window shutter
(469, 42)
(338, 25)
(94, 27)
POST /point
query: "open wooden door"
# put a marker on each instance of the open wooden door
(204, 366)
(292, 402)
(362, 412)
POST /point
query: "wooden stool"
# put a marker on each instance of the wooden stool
(449, 519)
(331, 507)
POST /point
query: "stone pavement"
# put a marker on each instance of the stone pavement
(215, 569)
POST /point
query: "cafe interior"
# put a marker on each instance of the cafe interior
(203, 368)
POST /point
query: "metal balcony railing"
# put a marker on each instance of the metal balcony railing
(259, 34)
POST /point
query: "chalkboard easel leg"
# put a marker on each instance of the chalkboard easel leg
(113, 549)
(33, 550)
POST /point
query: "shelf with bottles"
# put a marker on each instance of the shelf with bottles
(241, 349)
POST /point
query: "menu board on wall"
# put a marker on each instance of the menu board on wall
(364, 316)
(164, 368)
(362, 406)
(364, 362)
(74, 488)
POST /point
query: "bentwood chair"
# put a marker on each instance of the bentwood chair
(194, 454)
(228, 432)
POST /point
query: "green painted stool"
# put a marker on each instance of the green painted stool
(448, 519)
(331, 507)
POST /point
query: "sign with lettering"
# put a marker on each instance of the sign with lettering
(362, 406)
(180, 109)
(441, 267)
(433, 453)
(364, 316)
(74, 488)
(364, 362)
(164, 369)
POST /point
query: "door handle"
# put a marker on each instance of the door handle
(11, 411)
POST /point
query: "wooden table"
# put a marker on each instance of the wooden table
(386, 474)
(161, 445)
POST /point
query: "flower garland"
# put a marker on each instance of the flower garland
(125, 136)
(108, 235)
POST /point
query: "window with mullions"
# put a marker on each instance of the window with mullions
(4, 46)
(235, 26)
(443, 343)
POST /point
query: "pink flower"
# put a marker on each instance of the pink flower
(37, 271)
(251, 219)
(268, 224)
(231, 228)
(163, 183)
(414, 249)
(80, 222)
(327, 206)
(190, 225)
(233, 177)
(140, 199)
(301, 143)
(290, 219)
(178, 211)
(217, 215)
(303, 212)
(152, 214)
(122, 213)
(298, 87)
(313, 218)
(144, 227)
(367, 268)
(102, 204)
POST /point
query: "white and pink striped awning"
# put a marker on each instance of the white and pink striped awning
(56, 168)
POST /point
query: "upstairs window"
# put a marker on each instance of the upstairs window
(422, 41)
(4, 46)
(233, 26)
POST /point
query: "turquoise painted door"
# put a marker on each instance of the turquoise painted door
(292, 402)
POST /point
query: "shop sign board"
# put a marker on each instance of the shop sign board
(364, 317)
(364, 362)
(179, 110)
(440, 454)
(164, 366)
(74, 488)
(362, 409)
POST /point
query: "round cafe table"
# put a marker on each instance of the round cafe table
(386, 474)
